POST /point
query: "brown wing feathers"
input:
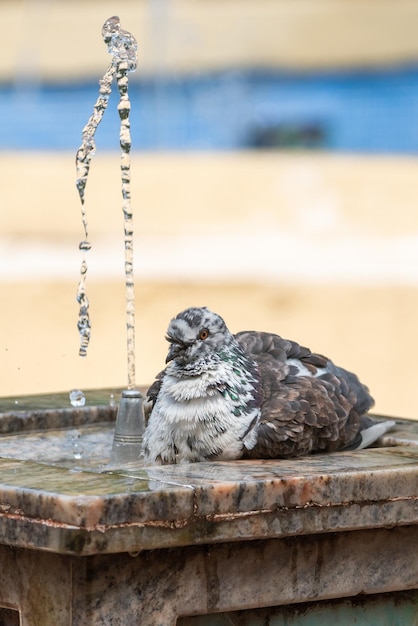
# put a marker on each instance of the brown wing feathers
(298, 412)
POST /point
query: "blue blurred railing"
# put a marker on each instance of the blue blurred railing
(367, 111)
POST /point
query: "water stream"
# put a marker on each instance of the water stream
(123, 48)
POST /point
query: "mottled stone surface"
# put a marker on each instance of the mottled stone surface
(82, 542)
(46, 411)
(36, 584)
(156, 588)
(51, 500)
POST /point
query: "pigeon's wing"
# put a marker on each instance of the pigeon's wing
(308, 404)
(152, 394)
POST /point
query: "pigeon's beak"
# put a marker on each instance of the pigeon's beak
(174, 351)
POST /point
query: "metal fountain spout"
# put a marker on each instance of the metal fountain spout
(130, 426)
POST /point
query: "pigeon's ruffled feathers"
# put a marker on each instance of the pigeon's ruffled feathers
(250, 395)
(308, 404)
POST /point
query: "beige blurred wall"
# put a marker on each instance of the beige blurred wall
(56, 39)
(359, 305)
(322, 249)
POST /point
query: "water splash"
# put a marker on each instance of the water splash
(120, 44)
(83, 157)
(75, 442)
(77, 446)
(124, 108)
(123, 48)
(77, 398)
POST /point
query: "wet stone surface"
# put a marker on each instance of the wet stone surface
(46, 411)
(58, 491)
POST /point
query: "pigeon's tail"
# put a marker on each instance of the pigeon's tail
(369, 433)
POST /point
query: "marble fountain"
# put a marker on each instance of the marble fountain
(308, 541)
(91, 536)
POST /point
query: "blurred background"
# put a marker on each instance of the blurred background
(274, 179)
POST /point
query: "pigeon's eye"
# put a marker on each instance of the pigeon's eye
(204, 333)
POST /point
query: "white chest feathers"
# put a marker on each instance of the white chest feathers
(200, 418)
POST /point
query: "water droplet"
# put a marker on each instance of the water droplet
(78, 451)
(77, 447)
(112, 401)
(84, 245)
(77, 397)
(16, 401)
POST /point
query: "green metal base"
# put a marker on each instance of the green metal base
(389, 609)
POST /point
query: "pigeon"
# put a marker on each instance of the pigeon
(252, 395)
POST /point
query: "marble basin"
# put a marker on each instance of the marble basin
(48, 430)
(207, 537)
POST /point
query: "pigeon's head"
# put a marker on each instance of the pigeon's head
(196, 335)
